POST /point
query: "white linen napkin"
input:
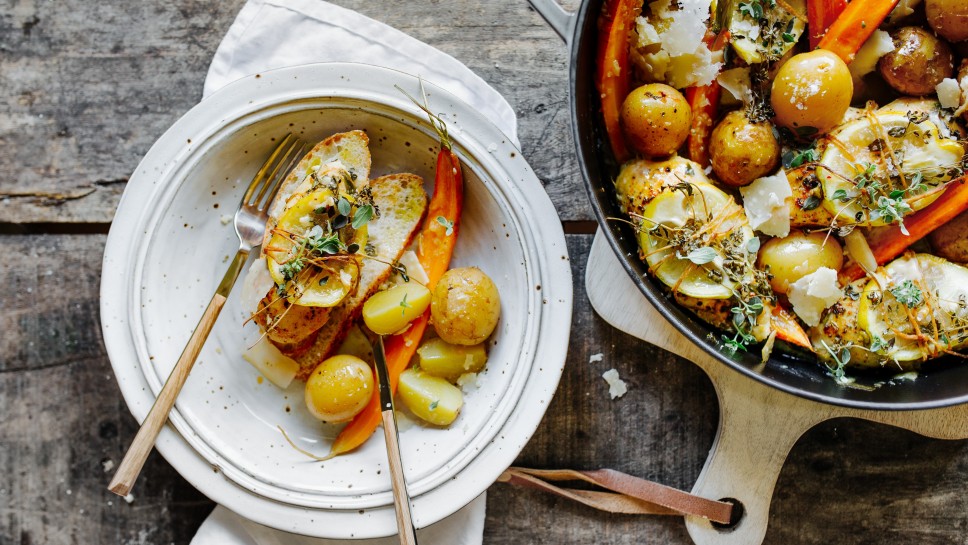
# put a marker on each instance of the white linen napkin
(271, 34)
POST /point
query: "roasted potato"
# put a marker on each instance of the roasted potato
(949, 18)
(949, 242)
(339, 388)
(655, 119)
(811, 92)
(641, 180)
(792, 257)
(742, 151)
(465, 306)
(919, 62)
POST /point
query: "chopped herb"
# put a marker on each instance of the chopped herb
(433, 406)
(795, 158)
(812, 203)
(789, 38)
(404, 305)
(344, 207)
(449, 225)
(753, 9)
(878, 344)
(701, 256)
(363, 214)
(753, 245)
(908, 294)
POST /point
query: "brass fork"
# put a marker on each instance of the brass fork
(250, 223)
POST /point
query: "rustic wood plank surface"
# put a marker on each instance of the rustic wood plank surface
(87, 87)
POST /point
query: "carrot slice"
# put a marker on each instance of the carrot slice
(856, 23)
(820, 15)
(434, 250)
(888, 242)
(613, 77)
(788, 329)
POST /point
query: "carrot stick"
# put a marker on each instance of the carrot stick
(857, 22)
(434, 250)
(788, 329)
(704, 102)
(613, 77)
(888, 242)
(820, 15)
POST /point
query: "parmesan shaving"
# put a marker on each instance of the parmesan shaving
(668, 45)
(949, 93)
(814, 293)
(865, 61)
(737, 82)
(616, 386)
(765, 203)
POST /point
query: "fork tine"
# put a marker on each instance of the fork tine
(280, 169)
(273, 187)
(260, 176)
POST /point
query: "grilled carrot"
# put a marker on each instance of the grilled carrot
(704, 101)
(613, 76)
(820, 15)
(888, 242)
(854, 25)
(434, 250)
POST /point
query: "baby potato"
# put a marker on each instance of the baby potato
(339, 388)
(449, 361)
(949, 242)
(389, 311)
(949, 18)
(742, 151)
(433, 399)
(465, 306)
(812, 91)
(919, 62)
(655, 119)
(792, 257)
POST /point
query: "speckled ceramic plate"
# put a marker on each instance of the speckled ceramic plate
(169, 245)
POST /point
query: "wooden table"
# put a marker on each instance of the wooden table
(88, 86)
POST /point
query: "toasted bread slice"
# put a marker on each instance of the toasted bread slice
(352, 149)
(402, 203)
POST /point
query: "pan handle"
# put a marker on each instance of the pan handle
(558, 18)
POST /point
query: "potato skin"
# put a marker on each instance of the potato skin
(949, 242)
(949, 18)
(742, 151)
(918, 63)
(465, 306)
(812, 90)
(797, 255)
(655, 119)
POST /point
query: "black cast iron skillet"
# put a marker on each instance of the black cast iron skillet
(944, 381)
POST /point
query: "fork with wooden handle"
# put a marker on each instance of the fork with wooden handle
(250, 223)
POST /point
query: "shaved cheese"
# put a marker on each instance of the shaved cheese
(902, 10)
(765, 203)
(814, 293)
(737, 82)
(273, 364)
(668, 45)
(949, 93)
(616, 386)
(865, 61)
(414, 269)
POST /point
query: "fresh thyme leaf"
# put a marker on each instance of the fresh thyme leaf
(812, 203)
(795, 158)
(878, 344)
(753, 245)
(291, 268)
(753, 9)
(344, 207)
(448, 225)
(908, 294)
(701, 256)
(789, 38)
(363, 214)
(841, 195)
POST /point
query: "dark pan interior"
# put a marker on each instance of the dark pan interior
(943, 383)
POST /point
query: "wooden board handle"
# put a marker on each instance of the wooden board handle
(144, 441)
(401, 500)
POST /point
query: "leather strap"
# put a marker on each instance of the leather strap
(629, 495)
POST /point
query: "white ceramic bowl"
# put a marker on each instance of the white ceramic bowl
(170, 242)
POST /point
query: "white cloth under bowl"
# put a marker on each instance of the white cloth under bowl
(271, 34)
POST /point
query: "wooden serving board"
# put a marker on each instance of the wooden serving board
(758, 424)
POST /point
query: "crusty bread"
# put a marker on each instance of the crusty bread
(402, 203)
(350, 148)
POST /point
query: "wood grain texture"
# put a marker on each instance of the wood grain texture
(88, 87)
(846, 482)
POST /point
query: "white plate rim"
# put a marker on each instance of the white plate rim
(552, 266)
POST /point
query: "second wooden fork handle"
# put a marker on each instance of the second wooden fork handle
(144, 441)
